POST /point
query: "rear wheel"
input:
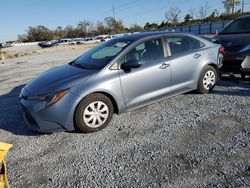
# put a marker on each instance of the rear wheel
(93, 113)
(243, 76)
(207, 80)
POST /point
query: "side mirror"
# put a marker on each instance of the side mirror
(215, 40)
(127, 66)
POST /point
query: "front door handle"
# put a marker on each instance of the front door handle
(164, 65)
(197, 55)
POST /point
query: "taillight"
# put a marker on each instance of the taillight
(221, 50)
(221, 56)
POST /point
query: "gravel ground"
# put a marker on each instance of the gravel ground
(189, 140)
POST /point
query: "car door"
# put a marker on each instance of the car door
(186, 58)
(149, 82)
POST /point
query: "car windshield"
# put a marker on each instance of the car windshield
(101, 55)
(237, 26)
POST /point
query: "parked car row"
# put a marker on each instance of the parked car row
(86, 40)
(5, 45)
(68, 41)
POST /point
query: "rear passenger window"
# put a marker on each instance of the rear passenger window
(178, 44)
(195, 44)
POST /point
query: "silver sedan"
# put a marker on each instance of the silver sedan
(119, 75)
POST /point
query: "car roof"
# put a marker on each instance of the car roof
(138, 36)
(142, 35)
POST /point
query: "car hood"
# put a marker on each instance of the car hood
(234, 42)
(58, 79)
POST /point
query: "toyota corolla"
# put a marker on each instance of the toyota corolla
(119, 75)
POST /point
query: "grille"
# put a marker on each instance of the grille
(28, 116)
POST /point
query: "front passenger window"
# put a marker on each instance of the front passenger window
(146, 52)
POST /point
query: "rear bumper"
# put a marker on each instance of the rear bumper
(231, 66)
(232, 61)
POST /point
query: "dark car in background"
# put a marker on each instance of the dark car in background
(235, 38)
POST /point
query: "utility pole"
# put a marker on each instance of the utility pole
(233, 7)
(113, 8)
(243, 5)
(1, 54)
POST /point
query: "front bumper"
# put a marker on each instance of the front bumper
(35, 123)
(56, 118)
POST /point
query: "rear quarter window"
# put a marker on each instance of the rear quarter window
(178, 44)
(195, 44)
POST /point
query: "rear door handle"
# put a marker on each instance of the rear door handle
(197, 55)
(164, 65)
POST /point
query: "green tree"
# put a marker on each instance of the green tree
(100, 28)
(59, 33)
(163, 25)
(203, 11)
(70, 31)
(152, 26)
(85, 27)
(39, 33)
(172, 15)
(187, 18)
(230, 5)
(135, 28)
(114, 26)
(192, 12)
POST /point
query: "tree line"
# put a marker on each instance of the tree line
(84, 28)
(112, 26)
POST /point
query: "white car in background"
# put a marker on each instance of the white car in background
(76, 41)
(107, 38)
(65, 41)
(89, 40)
(99, 38)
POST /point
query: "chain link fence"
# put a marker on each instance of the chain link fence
(201, 29)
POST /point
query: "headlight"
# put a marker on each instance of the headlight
(21, 93)
(36, 98)
(50, 99)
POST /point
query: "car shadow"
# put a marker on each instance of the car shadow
(11, 118)
(226, 82)
(238, 87)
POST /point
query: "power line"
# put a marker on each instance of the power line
(127, 6)
(110, 11)
(160, 20)
(148, 10)
(136, 4)
(243, 4)
(113, 8)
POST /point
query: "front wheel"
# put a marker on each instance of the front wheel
(207, 80)
(93, 113)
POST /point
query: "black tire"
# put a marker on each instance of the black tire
(82, 106)
(243, 75)
(201, 87)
